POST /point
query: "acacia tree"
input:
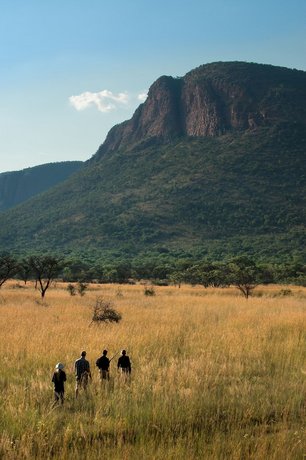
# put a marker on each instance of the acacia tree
(245, 275)
(177, 278)
(24, 270)
(8, 268)
(45, 269)
(208, 274)
(192, 275)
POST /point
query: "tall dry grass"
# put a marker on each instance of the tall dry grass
(214, 376)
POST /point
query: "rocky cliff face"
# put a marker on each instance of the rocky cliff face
(211, 100)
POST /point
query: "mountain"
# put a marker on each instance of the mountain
(212, 100)
(211, 164)
(18, 186)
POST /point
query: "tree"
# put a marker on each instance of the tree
(24, 270)
(8, 268)
(291, 272)
(45, 269)
(177, 278)
(123, 272)
(76, 270)
(245, 275)
(162, 271)
(192, 275)
(208, 274)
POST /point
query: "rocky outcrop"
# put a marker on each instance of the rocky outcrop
(157, 118)
(211, 100)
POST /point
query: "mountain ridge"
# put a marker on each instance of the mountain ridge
(152, 187)
(18, 186)
(206, 102)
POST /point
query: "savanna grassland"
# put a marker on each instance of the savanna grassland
(214, 376)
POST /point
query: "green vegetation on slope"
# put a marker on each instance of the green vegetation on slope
(19, 186)
(216, 195)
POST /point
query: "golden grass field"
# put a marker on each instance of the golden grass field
(214, 376)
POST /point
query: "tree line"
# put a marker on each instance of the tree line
(242, 272)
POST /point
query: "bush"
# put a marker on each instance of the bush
(71, 289)
(82, 287)
(103, 311)
(159, 282)
(149, 291)
(285, 292)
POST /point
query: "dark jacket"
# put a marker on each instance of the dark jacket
(124, 363)
(81, 367)
(103, 363)
(59, 377)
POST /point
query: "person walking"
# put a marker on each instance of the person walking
(103, 365)
(124, 364)
(59, 379)
(82, 373)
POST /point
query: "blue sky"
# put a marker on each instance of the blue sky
(71, 69)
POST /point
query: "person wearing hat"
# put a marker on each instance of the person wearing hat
(124, 364)
(58, 379)
(103, 364)
(82, 373)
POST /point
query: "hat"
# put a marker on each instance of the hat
(59, 366)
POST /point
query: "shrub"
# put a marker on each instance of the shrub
(103, 311)
(71, 289)
(159, 282)
(149, 291)
(82, 287)
(285, 292)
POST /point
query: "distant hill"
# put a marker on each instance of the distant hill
(211, 164)
(19, 186)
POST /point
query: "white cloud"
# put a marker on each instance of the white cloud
(104, 101)
(142, 96)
